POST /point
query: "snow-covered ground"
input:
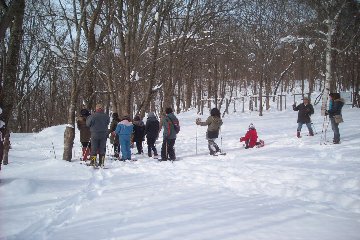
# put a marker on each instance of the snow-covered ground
(290, 189)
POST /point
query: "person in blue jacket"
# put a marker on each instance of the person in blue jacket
(124, 130)
(335, 106)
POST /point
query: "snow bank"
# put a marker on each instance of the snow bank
(290, 189)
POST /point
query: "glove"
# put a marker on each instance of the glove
(294, 105)
(326, 112)
(241, 139)
(198, 120)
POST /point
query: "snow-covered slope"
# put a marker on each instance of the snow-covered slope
(290, 189)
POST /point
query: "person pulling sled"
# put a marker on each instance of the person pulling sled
(213, 122)
(251, 137)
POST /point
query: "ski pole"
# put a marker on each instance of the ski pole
(196, 139)
(221, 140)
(322, 131)
(53, 149)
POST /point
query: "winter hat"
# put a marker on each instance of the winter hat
(84, 112)
(334, 96)
(168, 110)
(215, 112)
(126, 117)
(151, 115)
(251, 126)
(115, 115)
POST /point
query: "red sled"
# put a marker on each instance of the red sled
(260, 144)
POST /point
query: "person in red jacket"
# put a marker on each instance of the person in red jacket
(250, 138)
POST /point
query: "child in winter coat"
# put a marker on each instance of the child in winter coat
(124, 130)
(213, 122)
(152, 133)
(305, 111)
(250, 138)
(84, 133)
(139, 133)
(114, 139)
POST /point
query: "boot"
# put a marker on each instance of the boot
(83, 154)
(149, 154)
(93, 161)
(311, 133)
(101, 160)
(86, 154)
(298, 134)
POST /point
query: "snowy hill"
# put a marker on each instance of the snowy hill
(290, 189)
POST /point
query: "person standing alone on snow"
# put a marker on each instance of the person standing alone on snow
(85, 133)
(305, 111)
(124, 130)
(214, 123)
(98, 123)
(152, 133)
(139, 133)
(169, 135)
(334, 112)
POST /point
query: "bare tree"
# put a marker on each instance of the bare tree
(11, 17)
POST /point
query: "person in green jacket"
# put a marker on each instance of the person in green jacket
(168, 123)
(213, 122)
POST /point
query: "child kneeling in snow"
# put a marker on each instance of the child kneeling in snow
(251, 137)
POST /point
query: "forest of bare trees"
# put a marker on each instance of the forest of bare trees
(135, 56)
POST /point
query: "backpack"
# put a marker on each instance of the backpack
(176, 126)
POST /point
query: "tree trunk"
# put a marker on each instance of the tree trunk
(328, 72)
(7, 87)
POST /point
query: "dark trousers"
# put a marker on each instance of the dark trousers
(86, 144)
(151, 146)
(98, 145)
(167, 149)
(335, 128)
(116, 150)
(139, 146)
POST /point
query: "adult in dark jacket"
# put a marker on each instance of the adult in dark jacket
(213, 122)
(305, 111)
(139, 133)
(114, 139)
(98, 123)
(152, 128)
(84, 133)
(334, 112)
(169, 135)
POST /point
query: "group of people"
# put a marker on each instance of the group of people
(305, 110)
(124, 132)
